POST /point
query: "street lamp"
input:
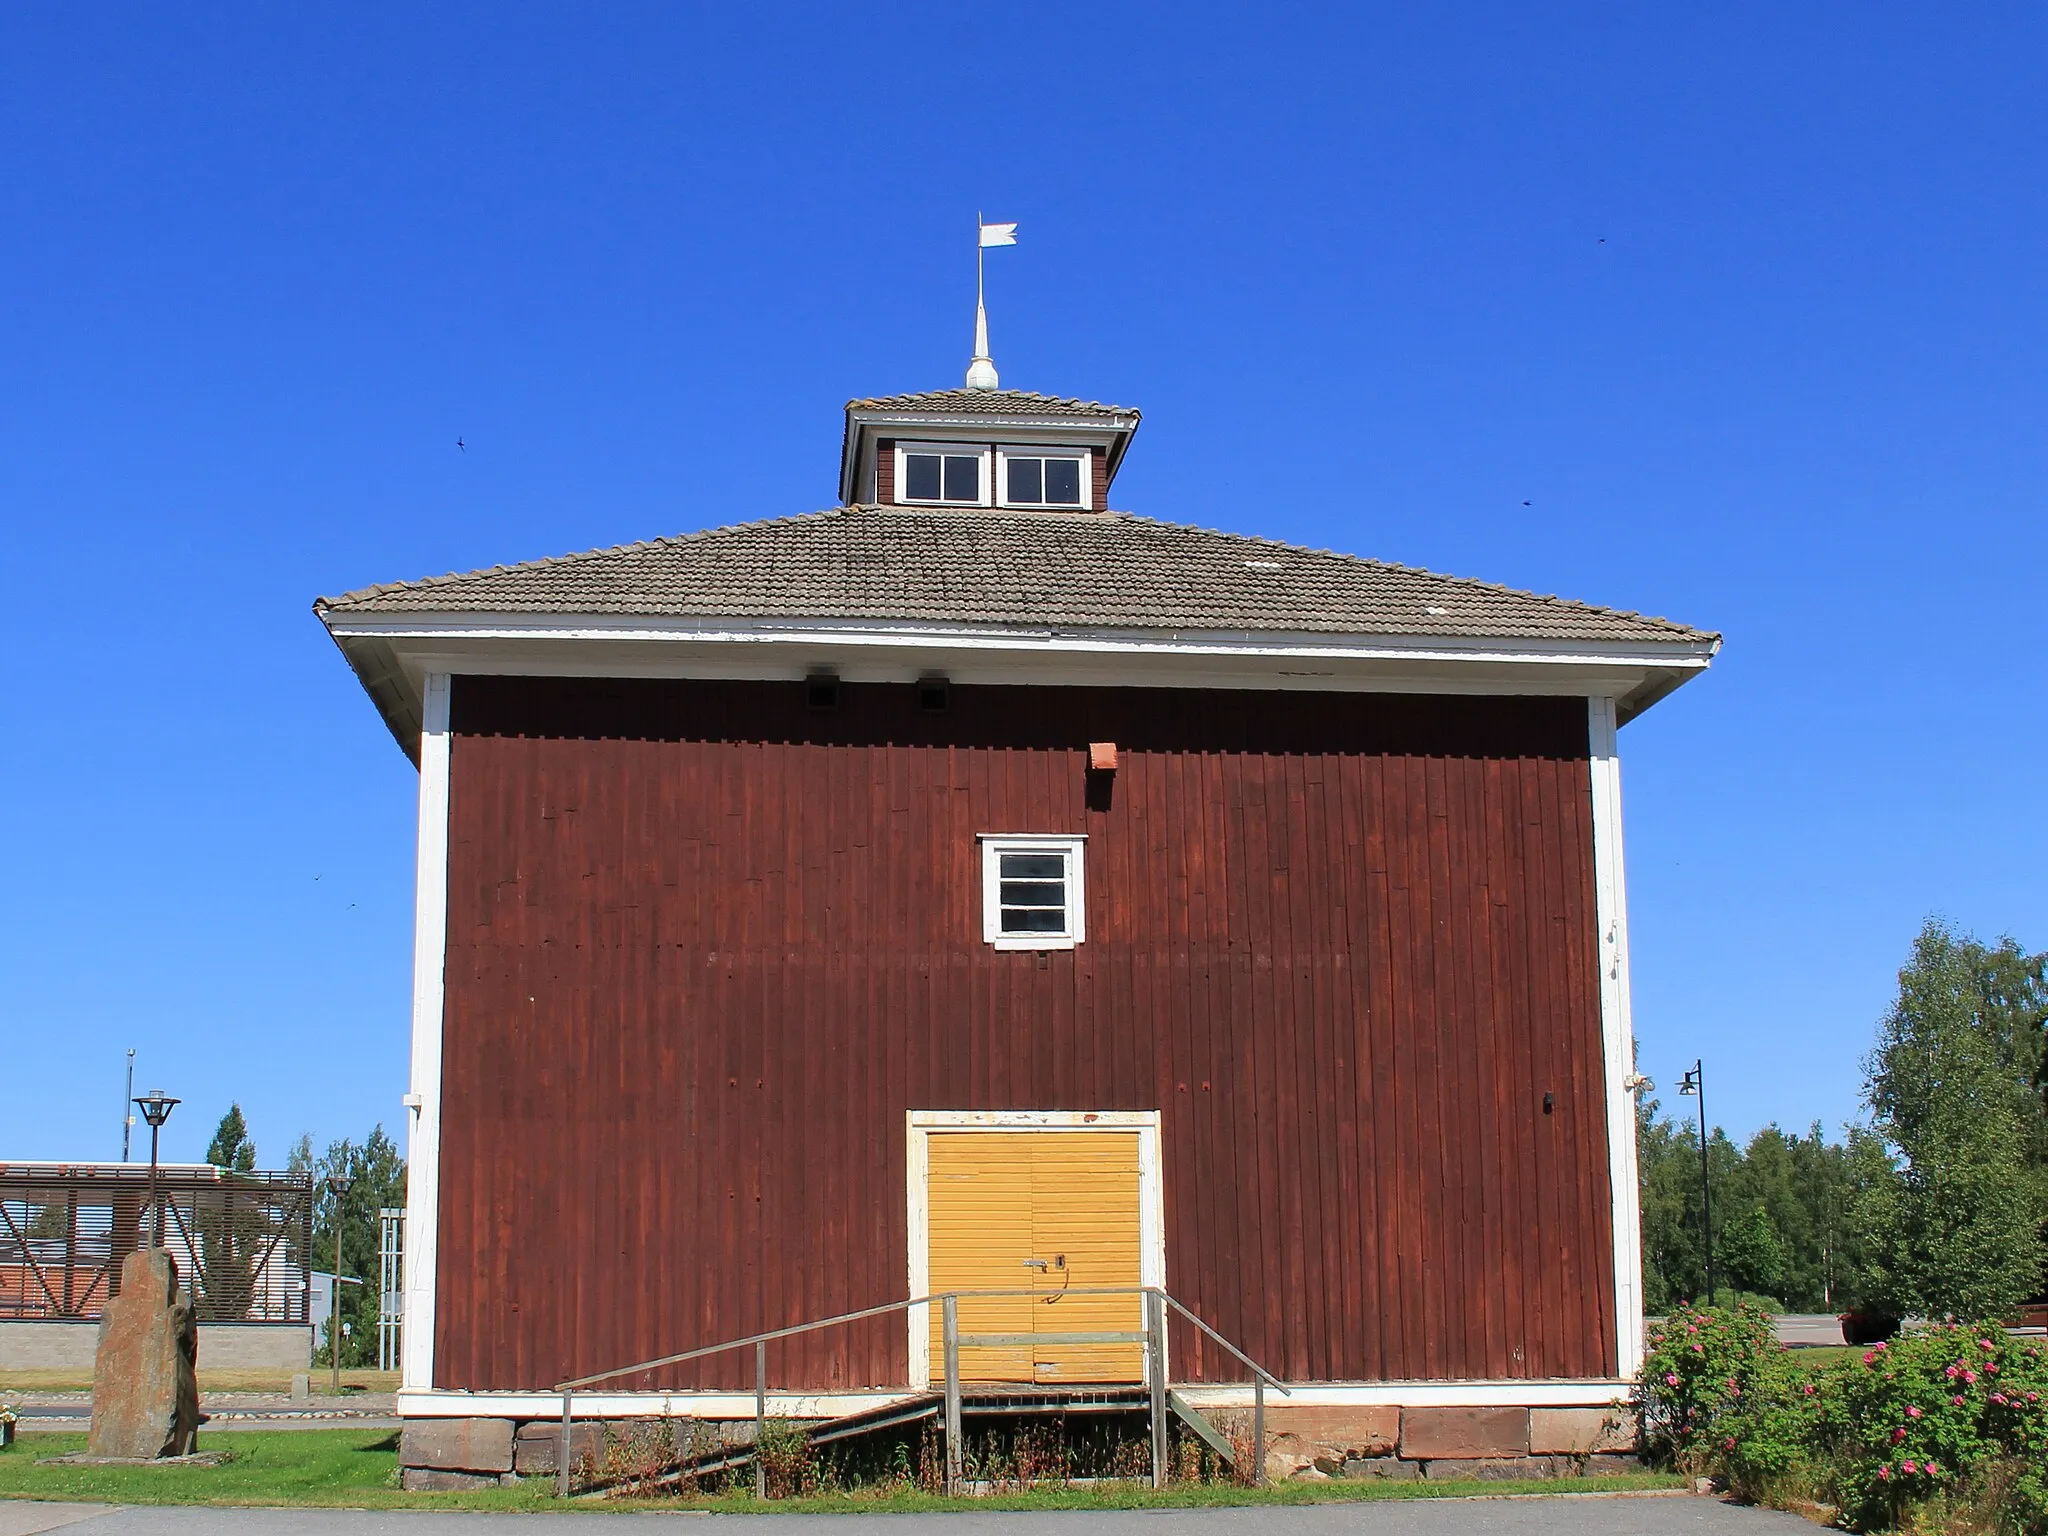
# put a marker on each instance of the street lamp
(127, 1116)
(156, 1107)
(337, 1186)
(1693, 1084)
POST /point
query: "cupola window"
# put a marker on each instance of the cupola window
(1044, 479)
(937, 474)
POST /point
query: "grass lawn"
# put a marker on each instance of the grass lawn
(357, 1469)
(1817, 1355)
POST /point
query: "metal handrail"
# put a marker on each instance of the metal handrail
(1243, 1359)
(1156, 1300)
(752, 1338)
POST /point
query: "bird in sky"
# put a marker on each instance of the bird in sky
(458, 443)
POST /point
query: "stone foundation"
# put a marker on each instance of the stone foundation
(536, 1448)
(1387, 1441)
(1301, 1442)
(457, 1445)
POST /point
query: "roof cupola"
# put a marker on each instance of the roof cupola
(983, 447)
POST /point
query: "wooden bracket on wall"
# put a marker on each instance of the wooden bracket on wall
(1102, 757)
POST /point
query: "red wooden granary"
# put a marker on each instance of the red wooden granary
(763, 869)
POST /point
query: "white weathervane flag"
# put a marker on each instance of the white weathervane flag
(981, 373)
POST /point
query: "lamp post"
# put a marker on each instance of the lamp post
(337, 1185)
(128, 1106)
(156, 1107)
(1693, 1084)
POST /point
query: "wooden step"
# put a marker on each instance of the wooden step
(1198, 1421)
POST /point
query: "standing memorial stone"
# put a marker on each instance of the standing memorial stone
(145, 1397)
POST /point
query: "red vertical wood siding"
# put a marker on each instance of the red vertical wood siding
(706, 947)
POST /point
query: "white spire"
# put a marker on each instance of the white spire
(981, 372)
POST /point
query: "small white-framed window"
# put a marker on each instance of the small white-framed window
(945, 474)
(1044, 477)
(1033, 895)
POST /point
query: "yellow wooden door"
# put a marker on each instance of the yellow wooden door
(1051, 1211)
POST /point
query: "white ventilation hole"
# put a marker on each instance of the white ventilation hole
(1262, 565)
(1435, 612)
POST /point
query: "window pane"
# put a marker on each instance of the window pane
(1027, 479)
(1034, 866)
(1034, 920)
(921, 476)
(1063, 482)
(1034, 893)
(963, 479)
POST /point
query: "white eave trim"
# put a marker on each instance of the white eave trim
(575, 629)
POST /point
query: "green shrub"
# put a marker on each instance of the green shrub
(1721, 1397)
(1946, 1428)
(1936, 1418)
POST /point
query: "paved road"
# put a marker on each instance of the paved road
(1543, 1516)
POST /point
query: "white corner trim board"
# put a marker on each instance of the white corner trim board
(920, 1123)
(429, 956)
(1617, 1034)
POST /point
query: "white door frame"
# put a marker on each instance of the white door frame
(920, 1123)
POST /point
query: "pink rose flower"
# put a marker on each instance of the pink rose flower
(1908, 1467)
(1884, 1472)
(1671, 1378)
(1912, 1413)
(1953, 1372)
(1898, 1435)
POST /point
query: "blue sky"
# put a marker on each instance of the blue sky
(1730, 313)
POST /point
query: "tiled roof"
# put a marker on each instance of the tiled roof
(990, 402)
(1058, 569)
